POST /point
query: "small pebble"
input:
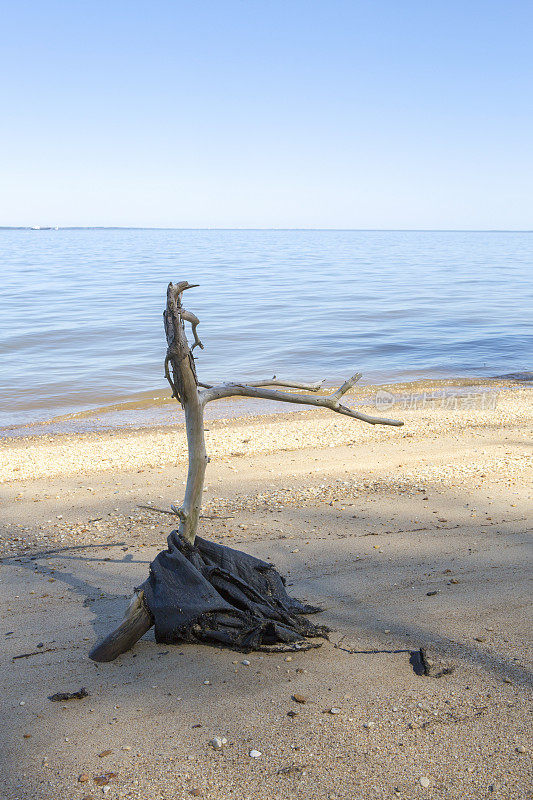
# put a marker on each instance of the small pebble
(207, 683)
(218, 742)
(299, 698)
(255, 754)
(103, 780)
(334, 710)
(246, 663)
(520, 749)
(424, 782)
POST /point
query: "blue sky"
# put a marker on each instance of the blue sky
(218, 113)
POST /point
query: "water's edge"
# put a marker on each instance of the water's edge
(155, 410)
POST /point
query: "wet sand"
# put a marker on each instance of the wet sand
(411, 537)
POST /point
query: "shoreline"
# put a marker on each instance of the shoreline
(449, 403)
(39, 474)
(152, 410)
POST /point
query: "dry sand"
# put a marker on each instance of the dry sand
(411, 537)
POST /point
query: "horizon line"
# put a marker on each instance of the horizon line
(171, 228)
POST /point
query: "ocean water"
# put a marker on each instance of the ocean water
(81, 309)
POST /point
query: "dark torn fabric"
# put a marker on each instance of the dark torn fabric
(211, 593)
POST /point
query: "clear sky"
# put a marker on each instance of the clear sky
(267, 113)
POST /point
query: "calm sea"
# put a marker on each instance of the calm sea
(81, 322)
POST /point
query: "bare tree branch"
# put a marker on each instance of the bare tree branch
(330, 401)
(174, 513)
(347, 385)
(310, 387)
(193, 319)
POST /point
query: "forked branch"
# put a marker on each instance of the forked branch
(330, 401)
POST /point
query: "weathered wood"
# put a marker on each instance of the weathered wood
(184, 383)
(310, 387)
(330, 401)
(137, 621)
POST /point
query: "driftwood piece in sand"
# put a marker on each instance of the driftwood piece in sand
(198, 590)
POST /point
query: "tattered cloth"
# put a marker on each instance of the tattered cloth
(213, 594)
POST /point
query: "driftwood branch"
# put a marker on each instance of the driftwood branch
(330, 401)
(180, 372)
(173, 513)
(310, 387)
(185, 388)
(137, 621)
(193, 319)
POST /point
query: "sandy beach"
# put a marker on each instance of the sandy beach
(412, 537)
